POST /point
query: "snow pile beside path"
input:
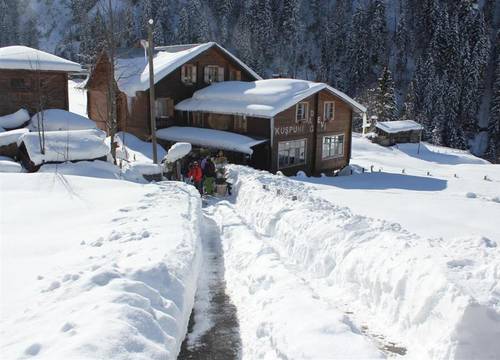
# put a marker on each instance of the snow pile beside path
(132, 149)
(280, 316)
(12, 136)
(59, 120)
(63, 146)
(440, 299)
(15, 120)
(115, 282)
(8, 165)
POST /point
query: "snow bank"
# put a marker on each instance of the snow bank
(439, 298)
(15, 120)
(132, 149)
(177, 151)
(262, 98)
(8, 165)
(279, 315)
(12, 136)
(59, 120)
(25, 58)
(216, 139)
(393, 127)
(115, 282)
(63, 146)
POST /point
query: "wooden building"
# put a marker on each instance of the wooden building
(306, 125)
(33, 80)
(180, 70)
(389, 133)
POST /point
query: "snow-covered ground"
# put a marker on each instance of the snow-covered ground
(96, 267)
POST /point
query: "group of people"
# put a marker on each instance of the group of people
(208, 172)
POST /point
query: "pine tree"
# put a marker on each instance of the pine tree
(493, 149)
(289, 31)
(409, 107)
(198, 22)
(385, 101)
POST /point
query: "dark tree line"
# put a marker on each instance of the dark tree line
(435, 61)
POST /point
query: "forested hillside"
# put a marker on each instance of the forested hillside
(436, 61)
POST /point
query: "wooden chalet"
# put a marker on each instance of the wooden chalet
(305, 126)
(33, 80)
(180, 70)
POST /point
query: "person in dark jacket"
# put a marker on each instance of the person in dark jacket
(209, 177)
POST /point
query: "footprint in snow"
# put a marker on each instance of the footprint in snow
(33, 349)
(54, 285)
(459, 263)
(67, 327)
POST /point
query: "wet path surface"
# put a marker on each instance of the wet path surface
(213, 331)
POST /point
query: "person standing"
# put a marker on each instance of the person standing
(209, 173)
(196, 176)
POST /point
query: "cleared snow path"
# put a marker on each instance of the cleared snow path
(213, 326)
(279, 314)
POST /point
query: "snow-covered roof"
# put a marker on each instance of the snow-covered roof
(15, 120)
(262, 98)
(58, 120)
(63, 146)
(218, 139)
(393, 127)
(12, 136)
(132, 69)
(25, 58)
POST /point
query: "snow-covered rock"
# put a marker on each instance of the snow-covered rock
(58, 120)
(15, 120)
(63, 146)
(12, 136)
(8, 165)
(177, 151)
(106, 268)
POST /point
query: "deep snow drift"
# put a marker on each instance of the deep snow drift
(96, 268)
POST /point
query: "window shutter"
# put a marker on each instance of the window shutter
(170, 107)
(195, 77)
(183, 73)
(207, 75)
(220, 74)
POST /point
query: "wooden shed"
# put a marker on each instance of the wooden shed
(389, 133)
(33, 80)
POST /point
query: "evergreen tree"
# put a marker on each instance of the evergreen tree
(409, 107)
(184, 31)
(493, 149)
(385, 101)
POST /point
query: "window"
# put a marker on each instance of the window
(213, 73)
(240, 123)
(291, 153)
(329, 110)
(18, 84)
(333, 146)
(301, 113)
(164, 107)
(235, 75)
(188, 74)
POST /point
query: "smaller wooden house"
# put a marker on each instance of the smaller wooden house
(389, 133)
(33, 80)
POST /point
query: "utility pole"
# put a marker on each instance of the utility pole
(152, 109)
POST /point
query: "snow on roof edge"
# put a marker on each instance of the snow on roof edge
(392, 127)
(355, 105)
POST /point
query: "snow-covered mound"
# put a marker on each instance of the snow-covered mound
(106, 269)
(262, 98)
(58, 120)
(15, 120)
(63, 146)
(177, 151)
(8, 165)
(25, 58)
(440, 298)
(132, 149)
(12, 136)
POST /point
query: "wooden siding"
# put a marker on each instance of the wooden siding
(53, 94)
